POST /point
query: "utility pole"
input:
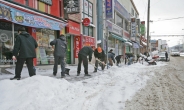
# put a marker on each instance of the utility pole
(148, 19)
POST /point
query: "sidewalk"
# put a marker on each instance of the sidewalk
(47, 70)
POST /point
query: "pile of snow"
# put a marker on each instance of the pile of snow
(106, 90)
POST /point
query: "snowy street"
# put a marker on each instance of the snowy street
(134, 87)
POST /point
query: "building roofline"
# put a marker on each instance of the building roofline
(134, 6)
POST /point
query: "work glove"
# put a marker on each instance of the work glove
(96, 58)
(14, 58)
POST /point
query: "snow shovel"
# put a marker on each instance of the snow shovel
(67, 71)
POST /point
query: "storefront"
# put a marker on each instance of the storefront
(73, 36)
(42, 27)
(128, 44)
(143, 42)
(116, 41)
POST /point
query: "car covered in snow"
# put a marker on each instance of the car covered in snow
(175, 53)
(162, 56)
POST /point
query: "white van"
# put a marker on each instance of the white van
(175, 53)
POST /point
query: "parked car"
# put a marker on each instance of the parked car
(175, 53)
(162, 56)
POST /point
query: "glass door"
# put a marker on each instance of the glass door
(6, 43)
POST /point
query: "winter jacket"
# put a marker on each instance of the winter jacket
(111, 55)
(60, 46)
(85, 51)
(166, 54)
(128, 55)
(100, 56)
(25, 46)
(118, 57)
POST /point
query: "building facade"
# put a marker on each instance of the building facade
(41, 19)
(120, 26)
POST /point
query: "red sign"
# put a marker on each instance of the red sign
(77, 45)
(73, 28)
(143, 39)
(88, 41)
(126, 34)
(86, 21)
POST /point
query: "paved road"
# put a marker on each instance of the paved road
(164, 91)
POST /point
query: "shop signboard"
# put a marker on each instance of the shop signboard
(86, 21)
(5, 12)
(26, 19)
(73, 28)
(72, 6)
(109, 9)
(88, 41)
(133, 29)
(114, 28)
(77, 45)
(142, 28)
(126, 34)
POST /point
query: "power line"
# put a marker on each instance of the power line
(167, 35)
(169, 19)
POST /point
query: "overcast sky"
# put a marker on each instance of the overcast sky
(160, 11)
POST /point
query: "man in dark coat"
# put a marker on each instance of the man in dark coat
(166, 55)
(118, 59)
(24, 50)
(99, 55)
(111, 57)
(82, 56)
(59, 54)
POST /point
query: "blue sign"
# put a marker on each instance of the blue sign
(109, 6)
(119, 8)
(26, 19)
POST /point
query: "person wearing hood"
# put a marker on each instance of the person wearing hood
(24, 50)
(111, 57)
(59, 54)
(118, 59)
(166, 56)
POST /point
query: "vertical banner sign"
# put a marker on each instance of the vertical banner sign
(133, 29)
(109, 9)
(77, 44)
(142, 26)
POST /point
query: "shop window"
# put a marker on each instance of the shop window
(7, 41)
(88, 10)
(126, 26)
(119, 21)
(111, 42)
(27, 2)
(88, 30)
(45, 50)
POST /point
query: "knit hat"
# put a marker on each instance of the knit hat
(99, 49)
